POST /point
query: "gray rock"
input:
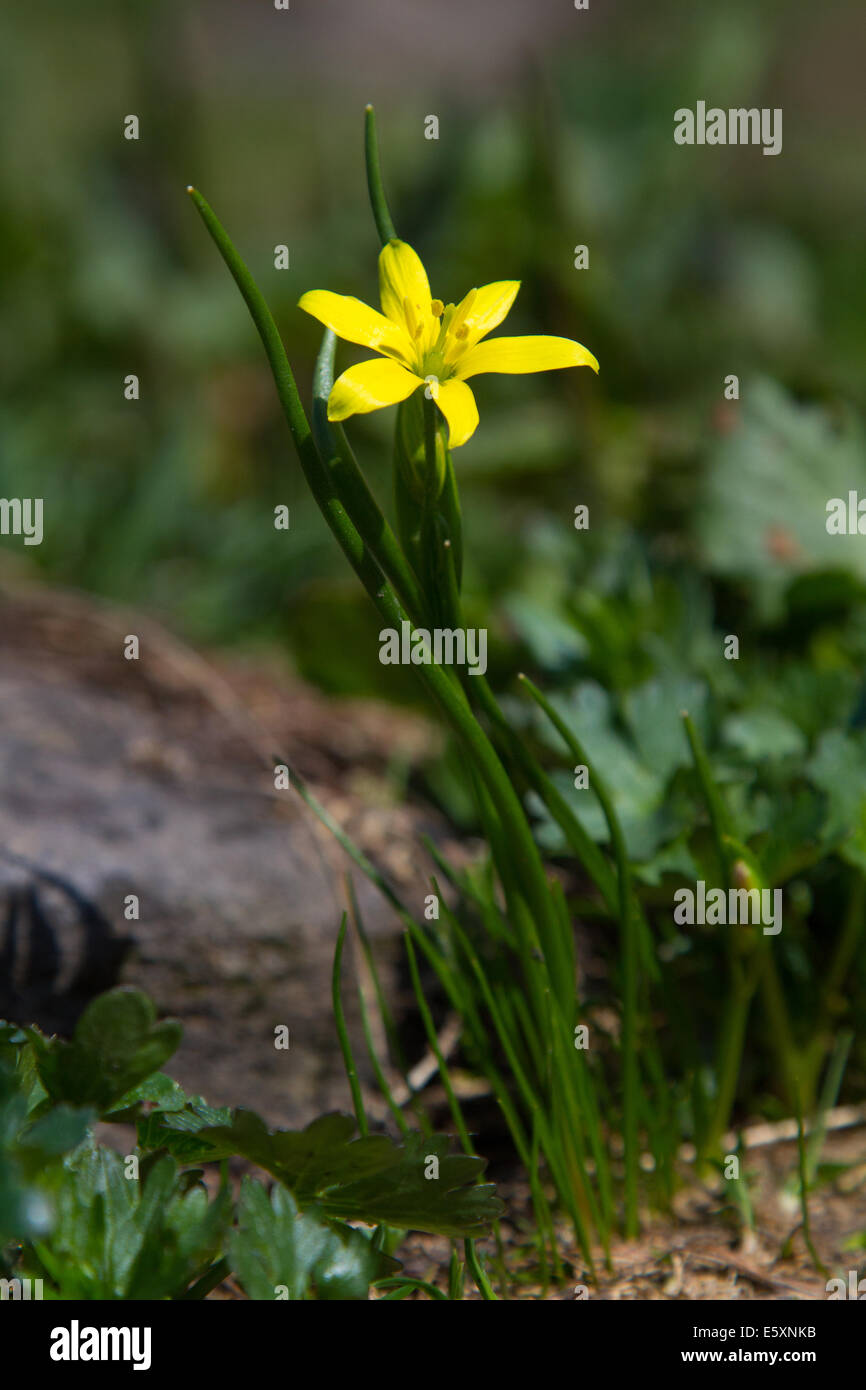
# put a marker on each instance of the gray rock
(136, 786)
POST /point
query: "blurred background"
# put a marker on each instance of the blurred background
(555, 130)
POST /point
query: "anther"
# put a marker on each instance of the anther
(461, 312)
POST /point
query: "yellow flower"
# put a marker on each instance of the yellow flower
(425, 342)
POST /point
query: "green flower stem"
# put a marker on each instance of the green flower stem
(442, 685)
(451, 511)
(515, 749)
(781, 1035)
(803, 1168)
(381, 1079)
(432, 558)
(536, 963)
(846, 947)
(740, 988)
(719, 819)
(482, 1283)
(843, 954)
(388, 1021)
(429, 440)
(433, 1042)
(827, 1099)
(462, 999)
(452, 605)
(456, 1272)
(432, 517)
(207, 1283)
(729, 1060)
(343, 1033)
(629, 964)
(743, 977)
(384, 225)
(364, 864)
(463, 1002)
(562, 962)
(547, 1033)
(569, 1191)
(316, 474)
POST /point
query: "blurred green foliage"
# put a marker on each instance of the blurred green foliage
(703, 262)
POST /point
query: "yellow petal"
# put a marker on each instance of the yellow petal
(369, 386)
(457, 403)
(487, 309)
(532, 354)
(405, 293)
(355, 321)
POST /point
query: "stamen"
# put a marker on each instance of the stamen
(444, 325)
(437, 308)
(461, 312)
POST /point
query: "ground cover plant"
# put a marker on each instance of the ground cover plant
(81, 1220)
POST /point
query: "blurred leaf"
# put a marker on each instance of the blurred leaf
(177, 1131)
(763, 513)
(450, 1203)
(277, 1246)
(61, 1129)
(369, 1179)
(762, 733)
(653, 712)
(118, 1237)
(552, 641)
(838, 768)
(158, 1090)
(117, 1043)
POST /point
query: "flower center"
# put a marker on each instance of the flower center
(433, 364)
